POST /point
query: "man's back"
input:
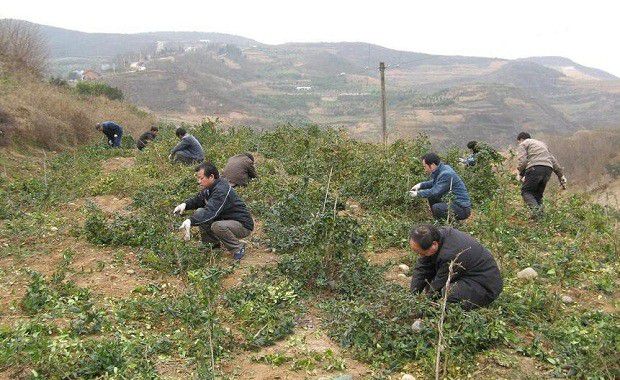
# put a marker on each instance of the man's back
(475, 263)
(190, 147)
(532, 152)
(239, 170)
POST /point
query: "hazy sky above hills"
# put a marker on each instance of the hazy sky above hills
(581, 31)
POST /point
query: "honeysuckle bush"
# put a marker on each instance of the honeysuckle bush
(325, 203)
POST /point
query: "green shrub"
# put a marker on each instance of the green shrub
(99, 89)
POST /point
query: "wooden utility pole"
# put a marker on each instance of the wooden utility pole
(383, 111)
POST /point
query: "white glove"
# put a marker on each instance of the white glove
(519, 178)
(416, 187)
(462, 160)
(115, 135)
(413, 193)
(186, 225)
(563, 182)
(179, 209)
(170, 157)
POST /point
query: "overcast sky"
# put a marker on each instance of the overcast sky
(581, 30)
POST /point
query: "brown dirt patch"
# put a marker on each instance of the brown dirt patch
(115, 163)
(307, 338)
(393, 257)
(107, 203)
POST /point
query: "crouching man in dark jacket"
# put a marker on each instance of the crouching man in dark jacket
(476, 280)
(220, 214)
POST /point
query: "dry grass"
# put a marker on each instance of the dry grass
(585, 154)
(55, 118)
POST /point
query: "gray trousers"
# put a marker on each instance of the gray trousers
(182, 158)
(228, 232)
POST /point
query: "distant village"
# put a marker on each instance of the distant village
(166, 51)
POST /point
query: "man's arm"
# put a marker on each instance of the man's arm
(423, 272)
(214, 206)
(182, 145)
(557, 169)
(441, 187)
(521, 159)
(252, 171)
(426, 184)
(194, 202)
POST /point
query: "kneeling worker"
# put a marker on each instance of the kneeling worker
(220, 214)
(240, 169)
(147, 137)
(188, 151)
(443, 180)
(476, 280)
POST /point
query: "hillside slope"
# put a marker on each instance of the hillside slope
(35, 113)
(97, 281)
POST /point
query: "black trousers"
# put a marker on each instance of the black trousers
(533, 187)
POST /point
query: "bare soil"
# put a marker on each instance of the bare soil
(307, 338)
(115, 163)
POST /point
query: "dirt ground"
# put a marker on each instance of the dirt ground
(307, 338)
(115, 163)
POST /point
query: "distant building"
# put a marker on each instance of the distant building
(138, 66)
(161, 45)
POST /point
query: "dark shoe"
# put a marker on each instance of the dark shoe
(240, 253)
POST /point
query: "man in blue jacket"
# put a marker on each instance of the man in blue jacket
(444, 180)
(220, 214)
(188, 150)
(112, 131)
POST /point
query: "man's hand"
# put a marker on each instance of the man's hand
(186, 225)
(416, 187)
(520, 178)
(563, 182)
(115, 136)
(413, 193)
(179, 209)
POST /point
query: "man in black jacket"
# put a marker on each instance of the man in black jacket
(221, 215)
(476, 280)
(146, 137)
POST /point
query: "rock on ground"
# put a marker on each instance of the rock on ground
(527, 273)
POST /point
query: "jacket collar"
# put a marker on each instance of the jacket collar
(439, 169)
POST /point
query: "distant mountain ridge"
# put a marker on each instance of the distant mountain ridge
(183, 76)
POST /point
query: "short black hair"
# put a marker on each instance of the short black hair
(424, 235)
(249, 155)
(154, 129)
(473, 145)
(431, 158)
(523, 136)
(180, 132)
(208, 169)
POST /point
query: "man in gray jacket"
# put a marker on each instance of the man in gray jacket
(535, 164)
(188, 150)
(240, 169)
(476, 280)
